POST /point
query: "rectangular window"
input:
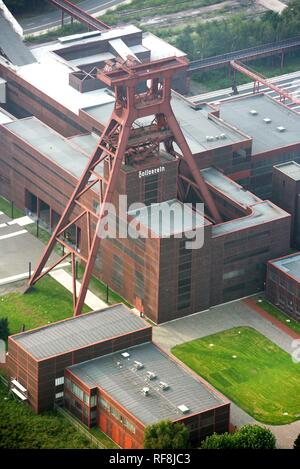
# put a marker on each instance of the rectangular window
(59, 381)
(59, 395)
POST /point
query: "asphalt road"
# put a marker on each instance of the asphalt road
(53, 18)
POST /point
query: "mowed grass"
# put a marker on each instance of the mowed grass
(262, 379)
(46, 302)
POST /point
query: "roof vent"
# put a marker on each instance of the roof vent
(125, 355)
(253, 112)
(146, 391)
(151, 375)
(222, 136)
(209, 138)
(183, 409)
(163, 386)
(280, 128)
(138, 365)
(267, 120)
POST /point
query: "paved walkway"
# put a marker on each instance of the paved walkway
(273, 5)
(18, 249)
(65, 279)
(220, 318)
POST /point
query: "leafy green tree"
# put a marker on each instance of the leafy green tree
(166, 435)
(255, 437)
(297, 442)
(247, 437)
(216, 441)
(4, 329)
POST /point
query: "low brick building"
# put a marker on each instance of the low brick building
(283, 284)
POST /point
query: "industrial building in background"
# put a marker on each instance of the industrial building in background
(51, 127)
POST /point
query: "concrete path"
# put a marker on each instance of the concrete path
(273, 5)
(18, 248)
(65, 279)
(220, 318)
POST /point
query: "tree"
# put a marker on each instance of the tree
(297, 442)
(247, 437)
(215, 441)
(166, 435)
(255, 437)
(4, 329)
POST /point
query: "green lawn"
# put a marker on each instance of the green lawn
(47, 302)
(105, 440)
(100, 289)
(21, 428)
(278, 314)
(262, 379)
(6, 207)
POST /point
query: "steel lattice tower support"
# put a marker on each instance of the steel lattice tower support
(119, 142)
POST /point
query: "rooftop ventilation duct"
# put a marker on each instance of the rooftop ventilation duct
(163, 386)
(280, 128)
(267, 120)
(125, 355)
(151, 375)
(253, 112)
(183, 409)
(138, 365)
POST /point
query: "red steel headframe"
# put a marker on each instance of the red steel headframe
(119, 141)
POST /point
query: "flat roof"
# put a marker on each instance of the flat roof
(124, 384)
(5, 118)
(228, 187)
(262, 211)
(266, 136)
(196, 125)
(80, 331)
(54, 146)
(156, 218)
(12, 45)
(291, 169)
(290, 265)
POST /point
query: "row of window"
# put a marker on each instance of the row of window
(106, 405)
(80, 394)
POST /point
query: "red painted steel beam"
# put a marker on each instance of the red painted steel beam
(115, 145)
(258, 78)
(80, 15)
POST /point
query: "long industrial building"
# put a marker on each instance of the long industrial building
(105, 368)
(54, 111)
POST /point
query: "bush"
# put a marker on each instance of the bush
(166, 435)
(255, 437)
(297, 442)
(4, 329)
(215, 441)
(248, 437)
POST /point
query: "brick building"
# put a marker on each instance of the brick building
(283, 284)
(105, 369)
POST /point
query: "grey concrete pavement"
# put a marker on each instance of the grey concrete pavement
(215, 320)
(17, 248)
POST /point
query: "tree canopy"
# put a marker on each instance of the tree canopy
(248, 437)
(166, 435)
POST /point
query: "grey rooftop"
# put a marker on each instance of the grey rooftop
(281, 130)
(71, 157)
(81, 331)
(258, 211)
(291, 169)
(12, 45)
(290, 265)
(118, 377)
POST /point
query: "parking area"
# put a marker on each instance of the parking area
(18, 248)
